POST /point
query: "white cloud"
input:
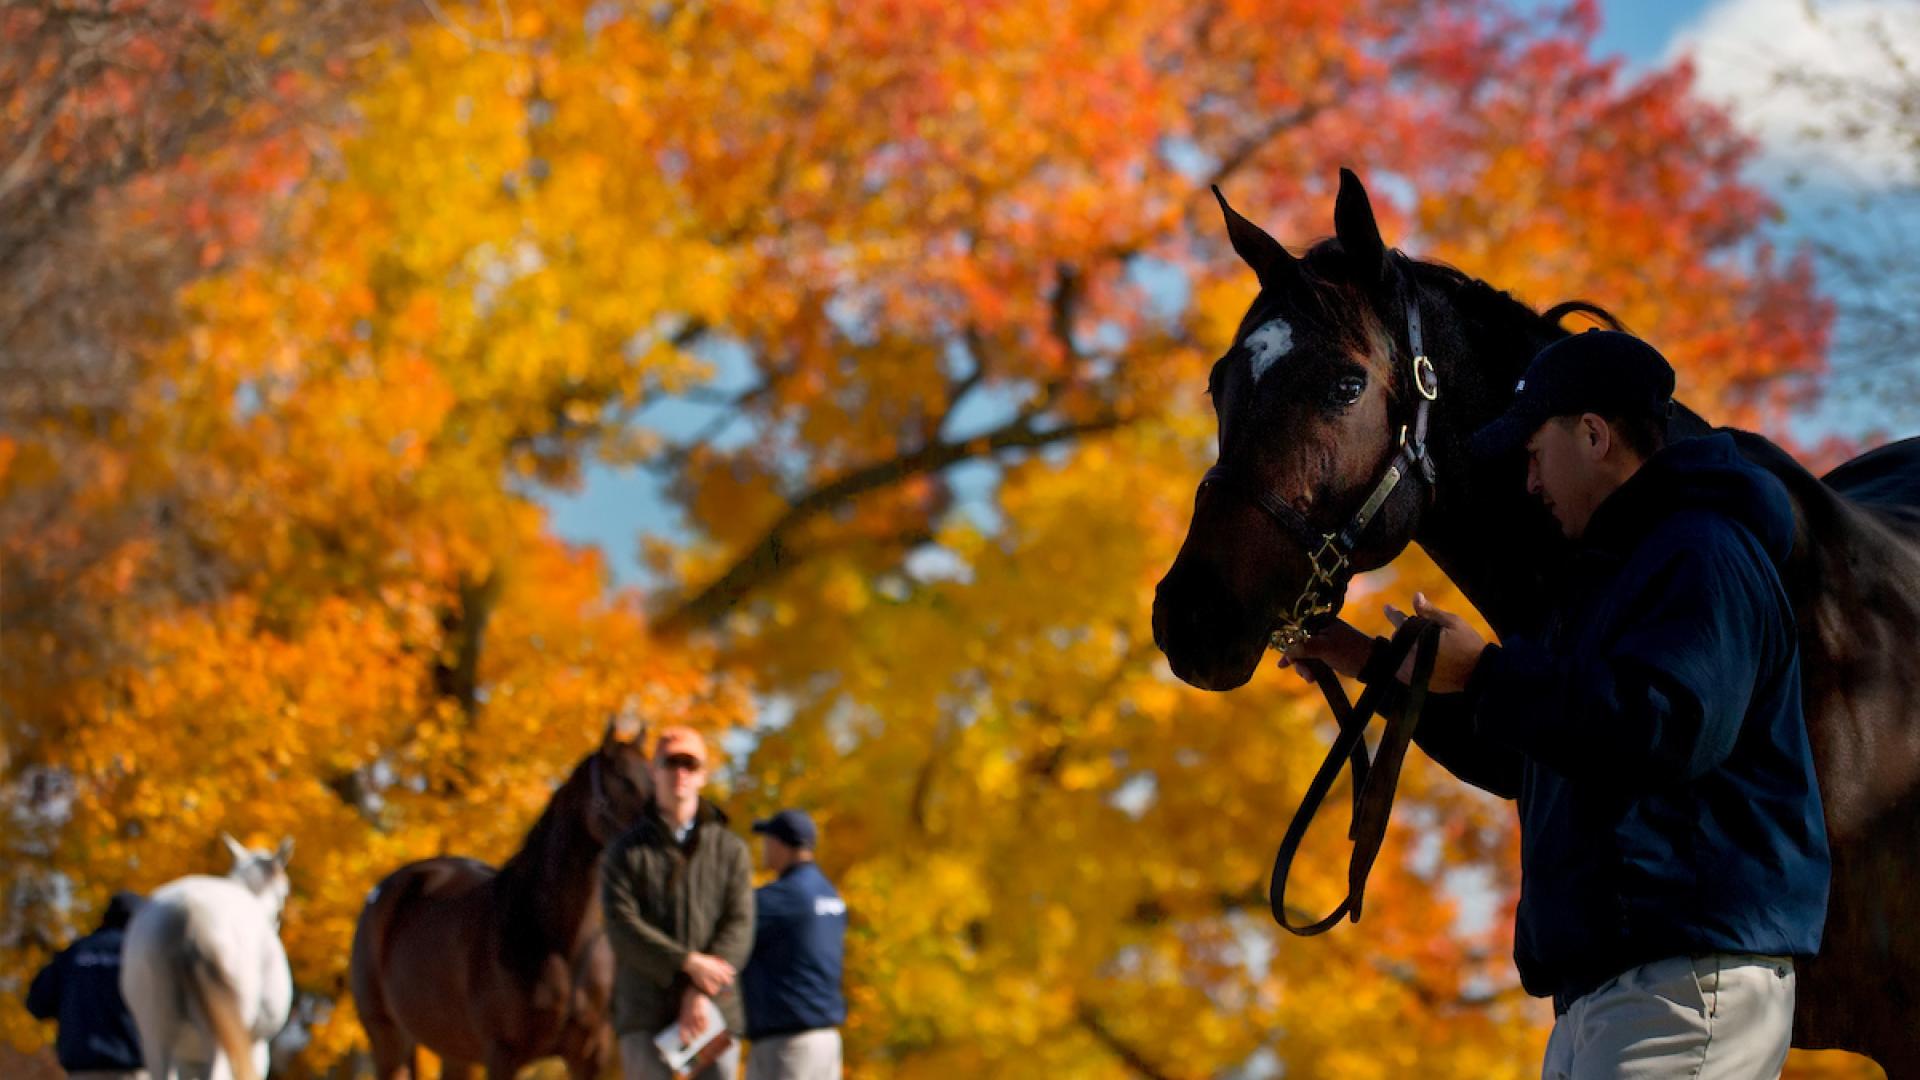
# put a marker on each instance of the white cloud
(1774, 63)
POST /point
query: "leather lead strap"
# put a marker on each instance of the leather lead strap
(1373, 784)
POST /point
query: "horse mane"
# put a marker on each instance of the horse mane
(1511, 323)
(527, 883)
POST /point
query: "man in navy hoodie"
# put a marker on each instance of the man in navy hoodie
(791, 983)
(80, 988)
(1672, 850)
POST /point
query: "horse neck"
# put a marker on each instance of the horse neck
(1481, 529)
(548, 887)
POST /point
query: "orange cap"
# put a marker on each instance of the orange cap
(680, 740)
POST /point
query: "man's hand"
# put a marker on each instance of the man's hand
(693, 1016)
(1458, 653)
(710, 974)
(1338, 645)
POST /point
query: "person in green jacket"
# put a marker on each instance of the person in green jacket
(677, 891)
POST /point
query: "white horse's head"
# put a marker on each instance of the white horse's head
(264, 873)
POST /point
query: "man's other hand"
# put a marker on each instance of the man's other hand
(710, 974)
(1459, 650)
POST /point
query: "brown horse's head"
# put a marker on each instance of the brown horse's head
(1311, 399)
(619, 785)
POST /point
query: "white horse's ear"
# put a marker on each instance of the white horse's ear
(285, 854)
(236, 849)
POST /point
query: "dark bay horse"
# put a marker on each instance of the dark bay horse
(501, 968)
(1313, 401)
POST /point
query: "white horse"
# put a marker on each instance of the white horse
(204, 973)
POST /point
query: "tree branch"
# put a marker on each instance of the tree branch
(1245, 150)
(767, 558)
(1117, 1046)
(958, 389)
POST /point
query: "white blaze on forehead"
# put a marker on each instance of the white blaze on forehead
(1273, 340)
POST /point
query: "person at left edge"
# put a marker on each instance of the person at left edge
(80, 988)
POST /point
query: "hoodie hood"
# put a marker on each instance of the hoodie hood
(1706, 473)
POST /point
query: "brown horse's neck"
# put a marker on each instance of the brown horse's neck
(548, 889)
(1480, 528)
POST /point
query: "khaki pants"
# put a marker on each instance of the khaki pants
(640, 1060)
(803, 1055)
(1714, 1017)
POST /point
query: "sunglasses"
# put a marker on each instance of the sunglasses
(681, 762)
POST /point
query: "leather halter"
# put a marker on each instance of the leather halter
(1331, 553)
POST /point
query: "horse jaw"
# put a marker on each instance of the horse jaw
(1187, 634)
(1218, 678)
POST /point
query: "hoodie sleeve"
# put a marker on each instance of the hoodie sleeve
(1664, 700)
(637, 944)
(1446, 732)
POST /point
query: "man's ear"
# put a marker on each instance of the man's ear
(1597, 434)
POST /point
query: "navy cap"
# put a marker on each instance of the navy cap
(121, 909)
(791, 827)
(1600, 371)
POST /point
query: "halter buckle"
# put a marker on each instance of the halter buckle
(1425, 379)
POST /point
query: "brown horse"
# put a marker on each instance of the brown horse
(499, 969)
(1313, 427)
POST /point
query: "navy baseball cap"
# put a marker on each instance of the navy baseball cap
(121, 909)
(791, 827)
(1600, 371)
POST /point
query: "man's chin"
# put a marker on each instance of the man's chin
(1560, 522)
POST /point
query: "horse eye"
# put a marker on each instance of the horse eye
(1346, 390)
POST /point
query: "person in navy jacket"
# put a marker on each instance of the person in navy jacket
(791, 984)
(1673, 853)
(80, 988)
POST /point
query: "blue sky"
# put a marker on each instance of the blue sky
(1641, 29)
(615, 508)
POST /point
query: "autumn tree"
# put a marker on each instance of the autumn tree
(138, 137)
(194, 638)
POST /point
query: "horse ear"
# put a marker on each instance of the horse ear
(1359, 233)
(236, 849)
(624, 728)
(285, 854)
(1271, 263)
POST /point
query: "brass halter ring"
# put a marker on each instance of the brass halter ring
(1425, 379)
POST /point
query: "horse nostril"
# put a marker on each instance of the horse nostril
(1301, 504)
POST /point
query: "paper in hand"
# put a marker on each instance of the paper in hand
(678, 1054)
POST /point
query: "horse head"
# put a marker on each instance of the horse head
(264, 873)
(1325, 467)
(619, 784)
